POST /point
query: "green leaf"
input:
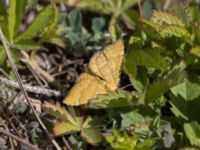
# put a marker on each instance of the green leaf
(135, 117)
(38, 25)
(50, 30)
(185, 101)
(3, 8)
(147, 9)
(94, 5)
(94, 121)
(150, 59)
(119, 98)
(98, 25)
(15, 13)
(2, 56)
(91, 135)
(151, 29)
(12, 19)
(75, 21)
(192, 131)
(130, 18)
(122, 140)
(194, 10)
(159, 87)
(161, 18)
(63, 128)
(196, 51)
(174, 30)
(128, 4)
(187, 90)
(25, 45)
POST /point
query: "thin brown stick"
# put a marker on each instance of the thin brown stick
(66, 143)
(26, 143)
(167, 4)
(11, 61)
(140, 8)
(28, 88)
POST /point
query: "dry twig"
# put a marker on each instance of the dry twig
(18, 139)
(33, 89)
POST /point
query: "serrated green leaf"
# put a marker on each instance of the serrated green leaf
(159, 87)
(150, 59)
(161, 18)
(192, 131)
(173, 30)
(91, 135)
(119, 98)
(151, 29)
(63, 128)
(38, 25)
